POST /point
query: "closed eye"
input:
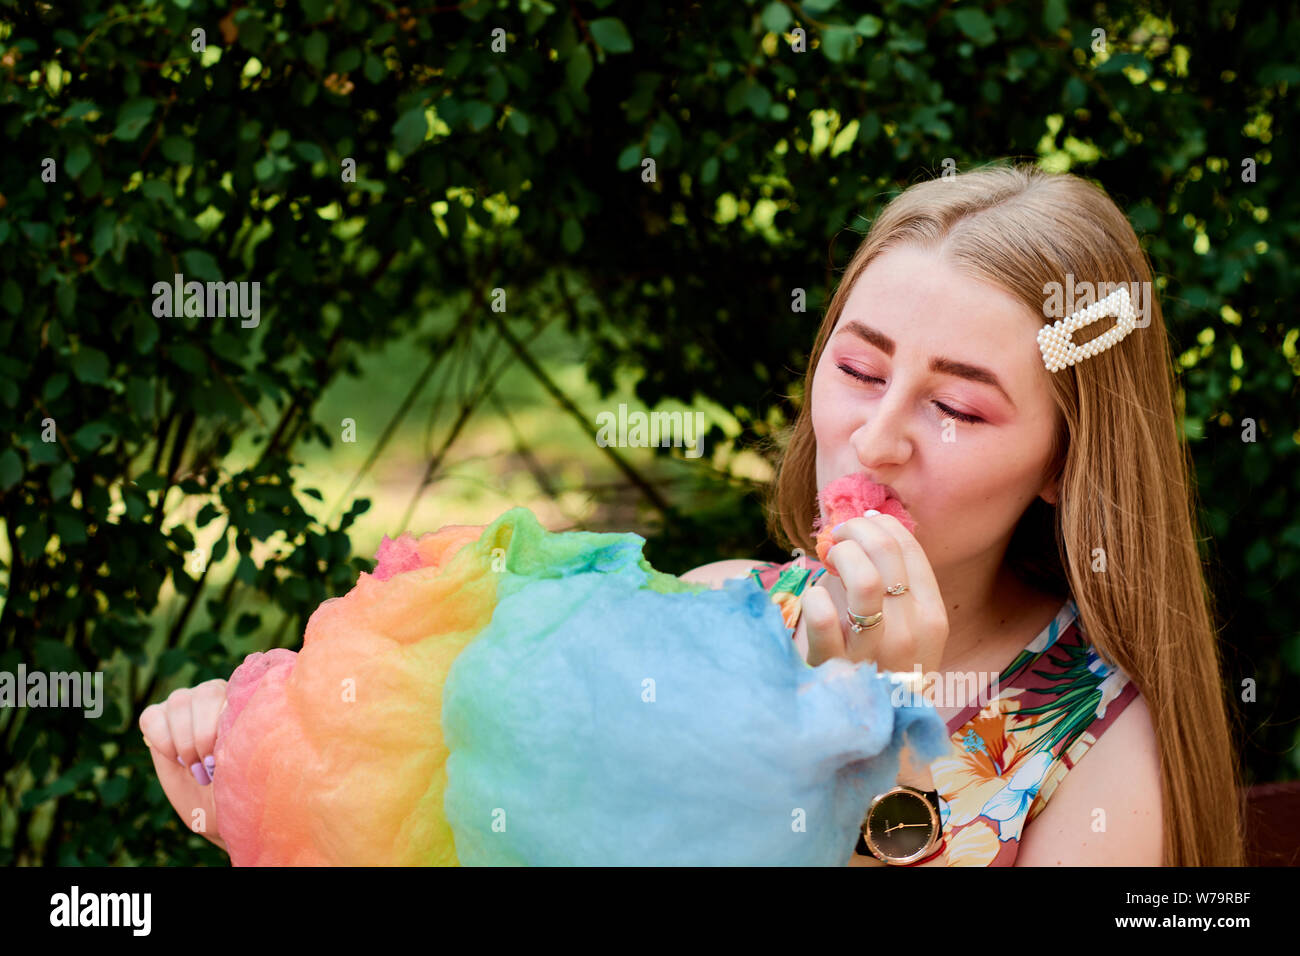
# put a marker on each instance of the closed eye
(952, 413)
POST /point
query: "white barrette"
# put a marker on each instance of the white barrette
(1054, 340)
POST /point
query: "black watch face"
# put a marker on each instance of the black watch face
(900, 825)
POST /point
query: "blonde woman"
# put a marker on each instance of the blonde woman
(1055, 559)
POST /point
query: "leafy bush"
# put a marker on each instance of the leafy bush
(661, 177)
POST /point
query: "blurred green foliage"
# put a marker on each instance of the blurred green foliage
(506, 145)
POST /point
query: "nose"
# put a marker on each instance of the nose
(883, 440)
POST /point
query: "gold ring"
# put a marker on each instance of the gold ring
(860, 623)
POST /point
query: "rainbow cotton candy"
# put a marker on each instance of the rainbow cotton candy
(506, 695)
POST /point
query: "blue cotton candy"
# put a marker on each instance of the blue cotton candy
(597, 721)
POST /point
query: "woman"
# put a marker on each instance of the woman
(1055, 549)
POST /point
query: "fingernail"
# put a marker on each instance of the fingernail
(146, 741)
(180, 761)
(869, 512)
(210, 765)
(836, 529)
(200, 774)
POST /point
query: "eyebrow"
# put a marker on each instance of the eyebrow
(946, 366)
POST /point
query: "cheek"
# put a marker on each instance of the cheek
(824, 406)
(987, 486)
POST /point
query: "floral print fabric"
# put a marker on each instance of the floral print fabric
(1053, 702)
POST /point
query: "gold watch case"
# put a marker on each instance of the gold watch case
(900, 806)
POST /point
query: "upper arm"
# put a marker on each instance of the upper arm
(1119, 775)
(719, 571)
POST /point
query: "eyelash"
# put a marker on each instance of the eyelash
(960, 416)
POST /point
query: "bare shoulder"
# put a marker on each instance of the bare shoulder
(715, 573)
(1107, 810)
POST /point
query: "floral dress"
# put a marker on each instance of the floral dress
(1053, 702)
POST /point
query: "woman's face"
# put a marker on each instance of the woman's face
(934, 346)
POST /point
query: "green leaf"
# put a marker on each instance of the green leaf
(11, 469)
(80, 108)
(55, 386)
(571, 235)
(61, 481)
(839, 43)
(172, 660)
(144, 331)
(409, 130)
(776, 17)
(78, 159)
(610, 33)
(346, 61)
(69, 528)
(309, 152)
(518, 122)
(496, 87)
(93, 434)
(375, 69)
(65, 297)
(133, 117)
(90, 365)
(157, 191)
(189, 358)
(113, 790)
(178, 150)
(52, 655)
(1055, 15)
(479, 114)
(11, 296)
(200, 265)
(758, 99)
(868, 26)
(578, 69)
(976, 24)
(314, 49)
(139, 393)
(629, 157)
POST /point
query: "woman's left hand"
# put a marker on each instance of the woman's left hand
(871, 554)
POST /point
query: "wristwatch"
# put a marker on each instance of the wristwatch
(902, 825)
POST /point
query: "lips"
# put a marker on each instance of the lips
(894, 494)
(848, 497)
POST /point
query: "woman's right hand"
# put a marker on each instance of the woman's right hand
(180, 733)
(870, 554)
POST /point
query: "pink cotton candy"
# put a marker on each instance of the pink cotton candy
(408, 553)
(848, 497)
(395, 556)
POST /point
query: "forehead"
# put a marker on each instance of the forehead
(926, 305)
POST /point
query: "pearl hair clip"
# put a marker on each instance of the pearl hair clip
(1054, 340)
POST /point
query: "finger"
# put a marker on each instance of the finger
(180, 719)
(822, 624)
(187, 796)
(209, 701)
(864, 595)
(918, 574)
(157, 735)
(881, 550)
(863, 582)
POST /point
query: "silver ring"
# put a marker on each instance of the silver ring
(896, 589)
(860, 623)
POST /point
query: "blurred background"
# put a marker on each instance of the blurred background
(476, 227)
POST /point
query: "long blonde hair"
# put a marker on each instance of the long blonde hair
(1125, 472)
